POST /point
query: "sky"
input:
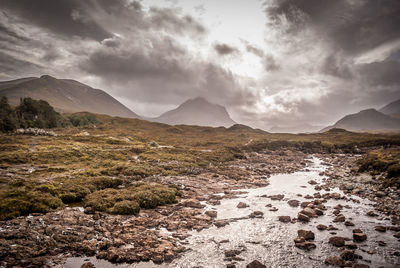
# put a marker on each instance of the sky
(269, 62)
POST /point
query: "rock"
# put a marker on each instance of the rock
(88, 265)
(256, 214)
(230, 265)
(242, 205)
(339, 218)
(312, 182)
(359, 237)
(284, 219)
(294, 203)
(322, 227)
(357, 230)
(309, 212)
(211, 213)
(308, 197)
(273, 209)
(299, 240)
(232, 253)
(380, 228)
(192, 203)
(332, 228)
(361, 265)
(220, 223)
(337, 241)
(350, 245)
(371, 213)
(335, 196)
(276, 197)
(304, 204)
(318, 211)
(255, 264)
(380, 194)
(348, 223)
(302, 217)
(306, 245)
(349, 255)
(381, 243)
(397, 235)
(308, 235)
(334, 260)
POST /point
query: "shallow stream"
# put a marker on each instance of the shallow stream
(270, 241)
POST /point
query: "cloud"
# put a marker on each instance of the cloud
(224, 49)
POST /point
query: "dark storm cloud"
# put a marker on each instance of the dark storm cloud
(13, 67)
(353, 26)
(385, 73)
(224, 49)
(66, 17)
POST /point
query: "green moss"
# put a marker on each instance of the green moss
(125, 207)
(145, 195)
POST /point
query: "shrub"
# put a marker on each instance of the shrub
(125, 207)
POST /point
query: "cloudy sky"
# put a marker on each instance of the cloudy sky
(270, 62)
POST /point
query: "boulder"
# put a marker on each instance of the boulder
(284, 219)
(322, 227)
(339, 218)
(359, 237)
(337, 241)
(242, 205)
(302, 217)
(294, 203)
(255, 264)
(334, 260)
(256, 214)
(308, 235)
(305, 245)
(211, 213)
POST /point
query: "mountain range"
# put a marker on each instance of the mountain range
(70, 96)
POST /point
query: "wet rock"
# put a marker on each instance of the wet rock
(322, 227)
(350, 245)
(255, 264)
(397, 235)
(334, 260)
(294, 203)
(276, 197)
(381, 243)
(337, 241)
(304, 204)
(309, 212)
(371, 213)
(361, 265)
(318, 211)
(380, 194)
(299, 240)
(284, 219)
(380, 228)
(312, 182)
(256, 214)
(88, 265)
(335, 196)
(305, 245)
(308, 235)
(242, 205)
(349, 255)
(348, 223)
(357, 230)
(302, 217)
(308, 197)
(273, 209)
(211, 213)
(231, 265)
(232, 253)
(359, 237)
(339, 218)
(221, 223)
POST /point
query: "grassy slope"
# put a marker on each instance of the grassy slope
(48, 172)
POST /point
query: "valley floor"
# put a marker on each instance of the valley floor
(172, 233)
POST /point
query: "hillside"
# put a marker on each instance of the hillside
(392, 109)
(66, 96)
(198, 112)
(367, 120)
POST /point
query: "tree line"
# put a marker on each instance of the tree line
(32, 113)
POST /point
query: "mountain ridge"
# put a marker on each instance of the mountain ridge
(197, 111)
(65, 95)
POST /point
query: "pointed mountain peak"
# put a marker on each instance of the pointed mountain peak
(47, 77)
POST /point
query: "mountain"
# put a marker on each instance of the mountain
(65, 95)
(392, 109)
(197, 111)
(300, 128)
(367, 120)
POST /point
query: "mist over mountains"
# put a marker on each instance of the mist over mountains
(69, 96)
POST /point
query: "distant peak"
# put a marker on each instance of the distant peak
(369, 111)
(46, 76)
(198, 99)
